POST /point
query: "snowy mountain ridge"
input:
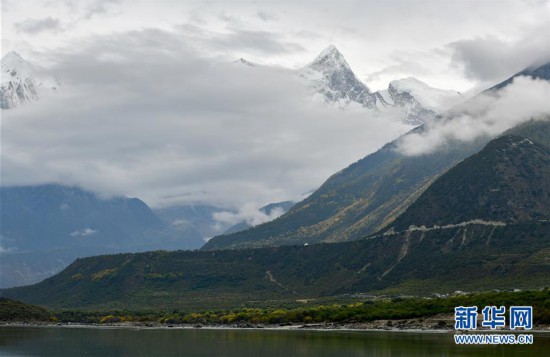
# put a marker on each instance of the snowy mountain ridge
(429, 97)
(330, 77)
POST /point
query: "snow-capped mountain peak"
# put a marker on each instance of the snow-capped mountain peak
(330, 59)
(331, 76)
(21, 82)
(14, 66)
(429, 97)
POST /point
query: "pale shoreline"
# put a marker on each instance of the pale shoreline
(349, 327)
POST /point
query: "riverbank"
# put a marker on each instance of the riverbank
(441, 323)
(418, 314)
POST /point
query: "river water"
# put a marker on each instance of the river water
(90, 341)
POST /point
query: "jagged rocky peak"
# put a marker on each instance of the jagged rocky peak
(331, 76)
(15, 68)
(21, 81)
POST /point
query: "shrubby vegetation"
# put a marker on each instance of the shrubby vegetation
(356, 312)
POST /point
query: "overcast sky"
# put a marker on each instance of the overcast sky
(448, 44)
(152, 104)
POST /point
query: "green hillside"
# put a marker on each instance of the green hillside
(16, 311)
(536, 130)
(354, 202)
(469, 258)
(508, 181)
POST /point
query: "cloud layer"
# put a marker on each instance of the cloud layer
(248, 213)
(143, 115)
(484, 115)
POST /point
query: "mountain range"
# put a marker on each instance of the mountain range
(480, 254)
(44, 228)
(435, 207)
(362, 198)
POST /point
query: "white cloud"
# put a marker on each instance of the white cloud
(83, 232)
(164, 124)
(249, 213)
(484, 115)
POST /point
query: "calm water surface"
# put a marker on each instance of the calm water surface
(73, 341)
